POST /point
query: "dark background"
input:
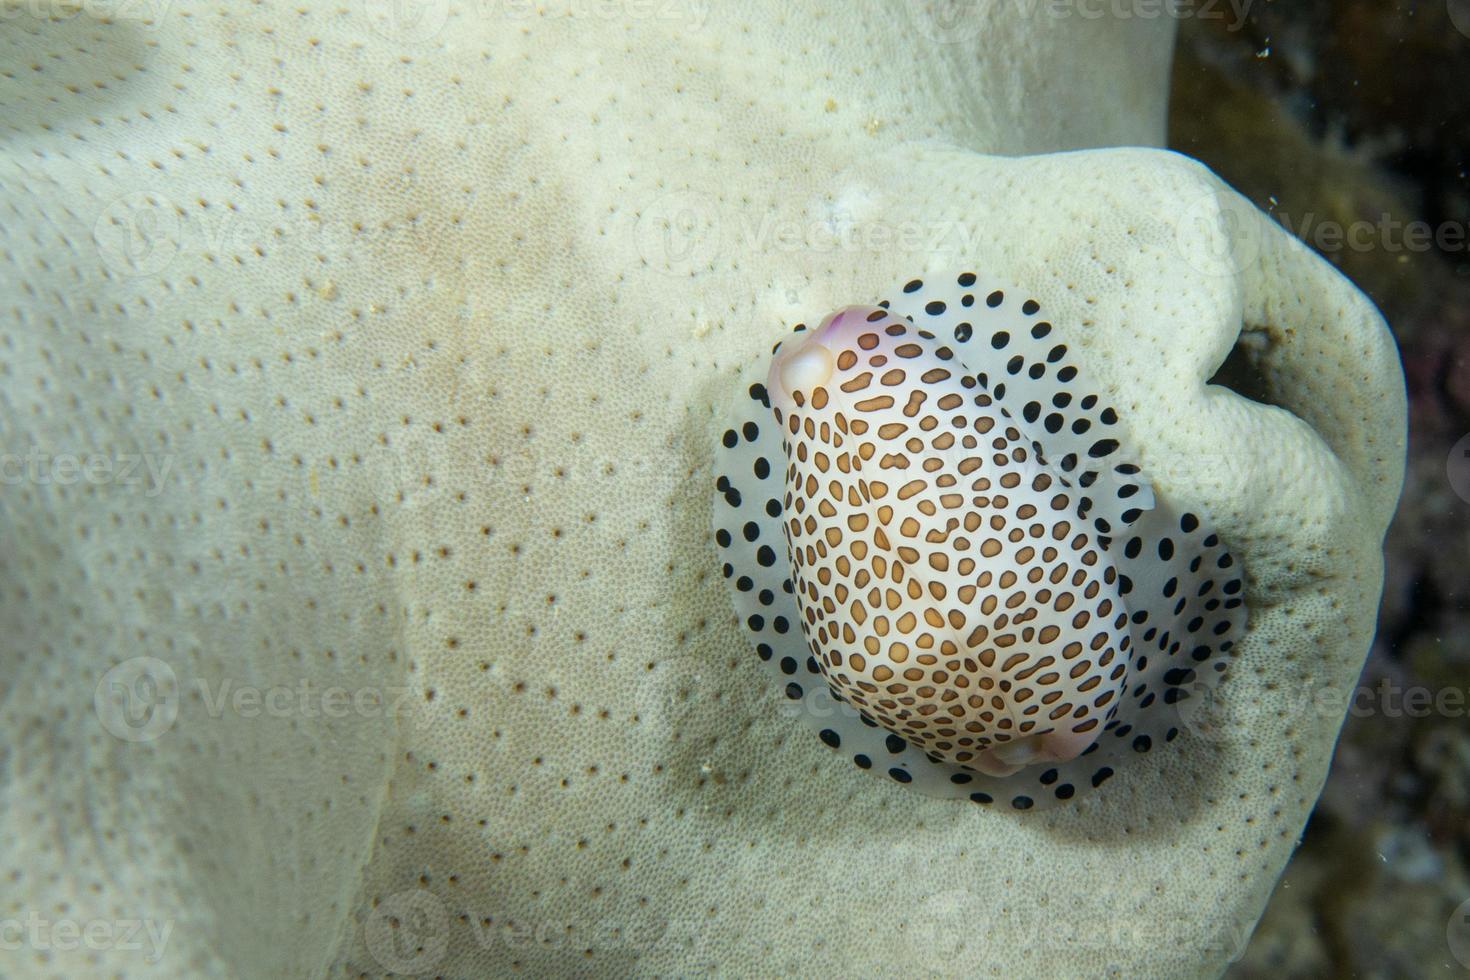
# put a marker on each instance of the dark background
(1341, 112)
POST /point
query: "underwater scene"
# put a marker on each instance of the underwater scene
(658, 488)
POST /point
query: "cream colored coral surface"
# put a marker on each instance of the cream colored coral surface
(375, 624)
